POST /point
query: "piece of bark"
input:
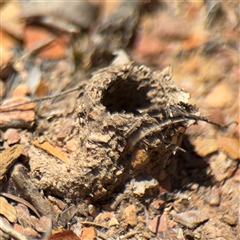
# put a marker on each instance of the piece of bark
(8, 158)
(55, 151)
(66, 235)
(31, 193)
(7, 210)
(17, 112)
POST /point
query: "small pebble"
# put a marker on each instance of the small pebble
(130, 214)
(12, 136)
(190, 219)
(214, 197)
(22, 90)
(230, 219)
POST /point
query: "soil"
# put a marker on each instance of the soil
(99, 136)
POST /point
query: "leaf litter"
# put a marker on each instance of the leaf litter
(121, 124)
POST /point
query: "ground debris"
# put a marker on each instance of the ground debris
(114, 100)
(123, 127)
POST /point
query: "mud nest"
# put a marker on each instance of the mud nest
(128, 122)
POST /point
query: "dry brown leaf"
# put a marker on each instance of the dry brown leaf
(55, 151)
(7, 210)
(51, 46)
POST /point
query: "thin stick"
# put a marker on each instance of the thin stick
(2, 108)
(130, 234)
(11, 231)
(18, 199)
(93, 224)
(142, 133)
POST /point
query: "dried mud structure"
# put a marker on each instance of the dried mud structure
(129, 121)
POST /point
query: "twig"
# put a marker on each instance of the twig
(130, 234)
(93, 224)
(42, 98)
(144, 132)
(11, 231)
(104, 236)
(18, 199)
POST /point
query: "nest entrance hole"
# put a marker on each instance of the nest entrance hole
(125, 96)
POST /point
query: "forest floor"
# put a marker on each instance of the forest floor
(49, 53)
